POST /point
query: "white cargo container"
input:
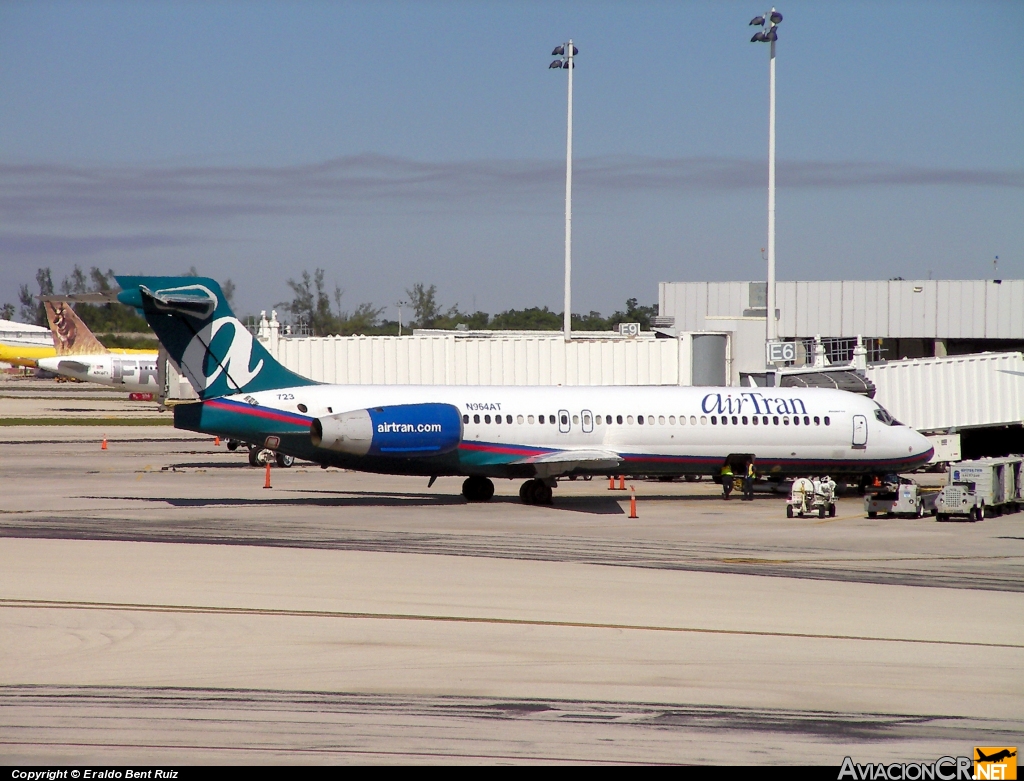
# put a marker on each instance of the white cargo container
(980, 489)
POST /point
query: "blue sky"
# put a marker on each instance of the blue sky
(394, 143)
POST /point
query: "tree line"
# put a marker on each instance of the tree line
(312, 309)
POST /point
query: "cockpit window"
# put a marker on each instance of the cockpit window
(883, 415)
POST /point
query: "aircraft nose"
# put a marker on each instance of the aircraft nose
(920, 446)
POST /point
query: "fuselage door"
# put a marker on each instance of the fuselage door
(587, 421)
(860, 431)
(115, 370)
(563, 421)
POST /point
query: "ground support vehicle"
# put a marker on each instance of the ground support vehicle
(812, 497)
(981, 489)
(901, 497)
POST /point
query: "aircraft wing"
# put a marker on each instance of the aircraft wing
(561, 462)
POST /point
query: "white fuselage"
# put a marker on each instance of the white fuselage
(132, 372)
(830, 429)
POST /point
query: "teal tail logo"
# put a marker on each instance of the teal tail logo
(207, 343)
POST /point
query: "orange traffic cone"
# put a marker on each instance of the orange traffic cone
(104, 445)
(216, 441)
(266, 483)
(622, 482)
(611, 482)
(632, 503)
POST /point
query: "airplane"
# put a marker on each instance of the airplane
(998, 756)
(491, 432)
(22, 344)
(80, 355)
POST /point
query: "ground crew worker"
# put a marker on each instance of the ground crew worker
(727, 479)
(748, 482)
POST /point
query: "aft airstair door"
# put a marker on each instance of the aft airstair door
(860, 431)
(563, 421)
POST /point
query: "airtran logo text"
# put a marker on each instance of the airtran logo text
(942, 769)
(751, 403)
(233, 362)
(408, 428)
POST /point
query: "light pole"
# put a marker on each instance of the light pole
(769, 34)
(567, 51)
(400, 305)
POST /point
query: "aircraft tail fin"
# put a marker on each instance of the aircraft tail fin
(70, 335)
(210, 346)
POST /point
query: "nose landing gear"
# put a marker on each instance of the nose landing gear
(535, 491)
(477, 489)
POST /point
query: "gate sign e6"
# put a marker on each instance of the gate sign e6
(781, 351)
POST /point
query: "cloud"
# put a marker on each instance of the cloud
(35, 245)
(134, 194)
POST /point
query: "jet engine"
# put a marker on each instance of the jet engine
(398, 431)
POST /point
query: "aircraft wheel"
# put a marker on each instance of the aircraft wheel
(542, 493)
(477, 489)
(284, 460)
(524, 492)
(233, 445)
(789, 511)
(254, 457)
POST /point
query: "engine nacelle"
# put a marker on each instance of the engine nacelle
(399, 431)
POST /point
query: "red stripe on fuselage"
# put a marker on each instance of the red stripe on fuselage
(508, 450)
(260, 412)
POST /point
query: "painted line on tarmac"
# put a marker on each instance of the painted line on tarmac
(282, 613)
(332, 751)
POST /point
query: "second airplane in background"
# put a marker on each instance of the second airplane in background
(81, 356)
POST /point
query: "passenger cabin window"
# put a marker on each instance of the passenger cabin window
(650, 420)
(529, 419)
(565, 420)
(540, 418)
(551, 419)
(796, 420)
(714, 420)
(827, 422)
(629, 419)
(703, 420)
(640, 420)
(576, 420)
(807, 420)
(693, 420)
(785, 420)
(519, 419)
(618, 419)
(487, 418)
(817, 421)
(465, 418)
(476, 418)
(508, 419)
(775, 420)
(497, 418)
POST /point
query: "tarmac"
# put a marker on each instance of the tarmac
(158, 605)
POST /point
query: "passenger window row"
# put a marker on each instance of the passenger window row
(725, 420)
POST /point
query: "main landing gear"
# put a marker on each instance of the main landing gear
(477, 489)
(535, 491)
